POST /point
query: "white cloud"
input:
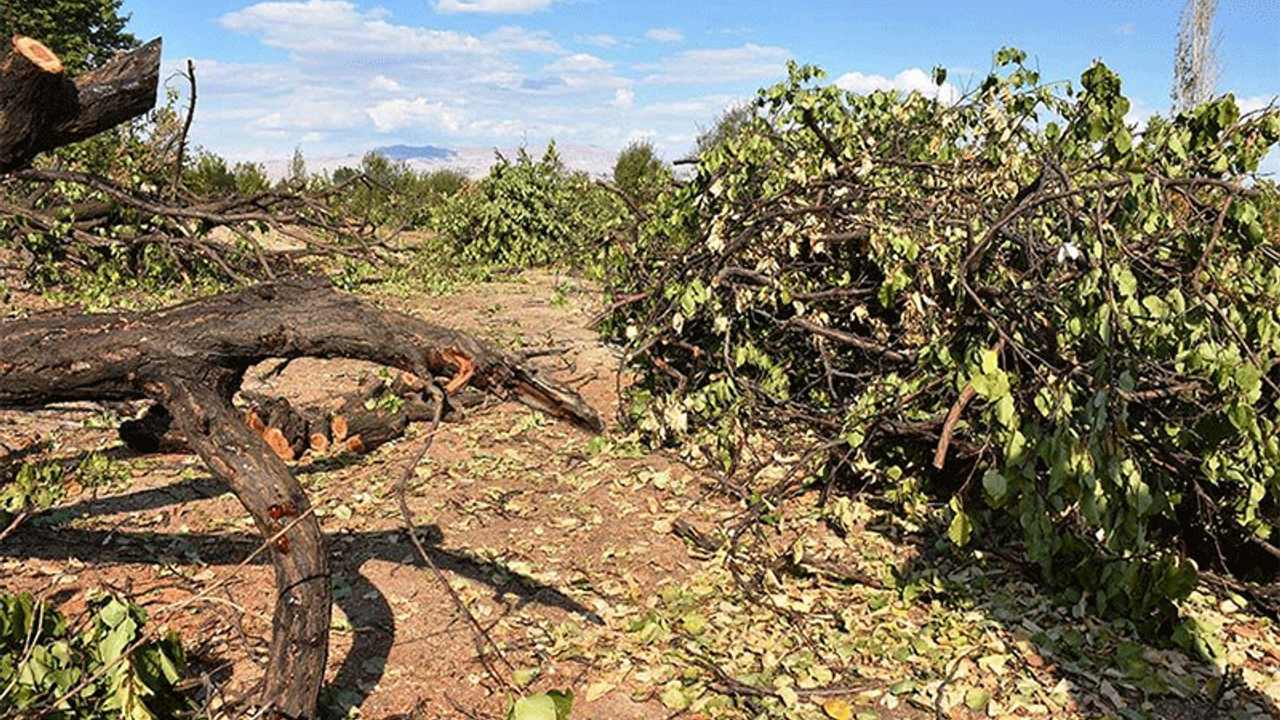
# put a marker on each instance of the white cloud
(543, 84)
(322, 27)
(1257, 102)
(493, 7)
(226, 77)
(309, 109)
(499, 78)
(624, 97)
(1126, 29)
(1270, 165)
(579, 63)
(385, 84)
(909, 80)
(510, 39)
(322, 30)
(701, 110)
(719, 66)
(498, 128)
(636, 136)
(282, 124)
(602, 40)
(1140, 112)
(664, 35)
(399, 113)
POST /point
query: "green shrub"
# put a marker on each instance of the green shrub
(528, 214)
(209, 175)
(640, 174)
(727, 127)
(390, 194)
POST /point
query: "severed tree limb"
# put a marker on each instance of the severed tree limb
(268, 490)
(41, 108)
(192, 359)
(114, 356)
(949, 426)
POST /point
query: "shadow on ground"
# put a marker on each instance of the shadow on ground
(45, 536)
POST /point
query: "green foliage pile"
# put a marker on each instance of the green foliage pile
(107, 670)
(41, 485)
(209, 176)
(726, 127)
(844, 270)
(529, 213)
(78, 239)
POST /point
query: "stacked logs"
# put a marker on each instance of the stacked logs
(357, 422)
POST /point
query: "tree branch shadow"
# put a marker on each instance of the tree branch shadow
(46, 536)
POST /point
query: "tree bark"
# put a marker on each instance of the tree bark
(41, 108)
(192, 358)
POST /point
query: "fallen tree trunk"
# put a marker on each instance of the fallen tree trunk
(192, 358)
(41, 108)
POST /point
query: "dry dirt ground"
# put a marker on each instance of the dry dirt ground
(560, 545)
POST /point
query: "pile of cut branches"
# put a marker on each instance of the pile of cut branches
(119, 203)
(1067, 328)
(66, 216)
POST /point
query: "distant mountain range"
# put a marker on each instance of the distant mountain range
(415, 152)
(474, 162)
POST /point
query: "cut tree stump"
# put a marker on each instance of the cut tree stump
(41, 108)
(191, 359)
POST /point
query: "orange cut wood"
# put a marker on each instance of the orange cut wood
(338, 428)
(318, 442)
(466, 368)
(278, 443)
(38, 53)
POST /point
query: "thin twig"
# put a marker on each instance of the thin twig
(14, 524)
(482, 637)
(186, 129)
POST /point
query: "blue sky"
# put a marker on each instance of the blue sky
(337, 77)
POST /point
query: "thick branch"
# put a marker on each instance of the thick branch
(279, 507)
(120, 356)
(41, 108)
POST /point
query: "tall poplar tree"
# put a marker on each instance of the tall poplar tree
(1195, 61)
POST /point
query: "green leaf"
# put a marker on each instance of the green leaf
(960, 529)
(524, 676)
(1126, 282)
(990, 361)
(996, 486)
(550, 705)
(977, 699)
(1123, 141)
